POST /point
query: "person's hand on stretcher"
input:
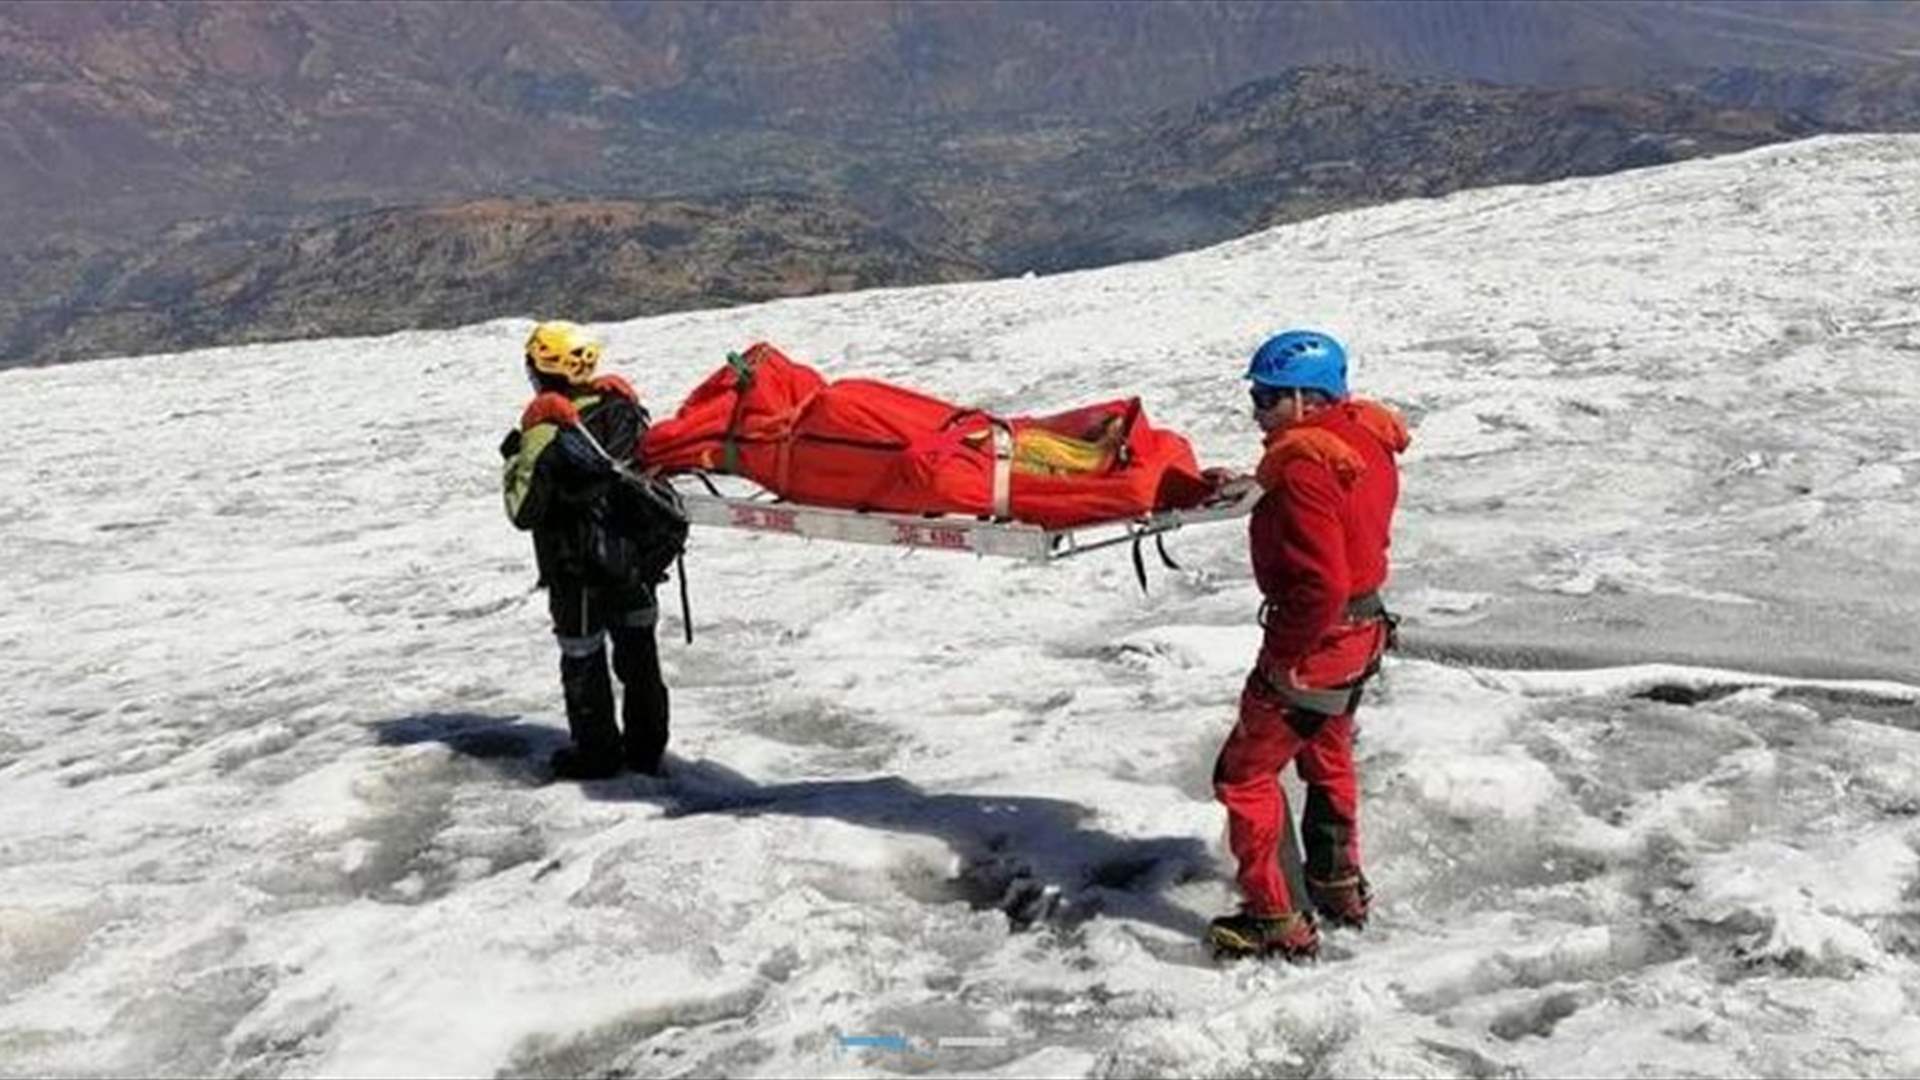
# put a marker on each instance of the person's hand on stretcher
(1229, 485)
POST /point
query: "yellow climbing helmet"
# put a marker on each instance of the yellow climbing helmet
(558, 347)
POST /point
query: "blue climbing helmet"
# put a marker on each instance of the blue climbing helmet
(1303, 359)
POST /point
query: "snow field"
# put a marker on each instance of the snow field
(273, 691)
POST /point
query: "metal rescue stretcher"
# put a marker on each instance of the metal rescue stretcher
(761, 512)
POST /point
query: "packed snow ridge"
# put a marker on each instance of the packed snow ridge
(1642, 794)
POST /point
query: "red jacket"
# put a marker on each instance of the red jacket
(1319, 539)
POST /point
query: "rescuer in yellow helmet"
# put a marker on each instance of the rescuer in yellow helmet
(562, 483)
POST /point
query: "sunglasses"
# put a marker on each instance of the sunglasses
(1266, 397)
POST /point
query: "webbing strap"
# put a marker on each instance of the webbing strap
(587, 434)
(1002, 468)
(680, 560)
(686, 614)
(1140, 563)
(1359, 609)
(1367, 606)
(1337, 700)
(742, 382)
(1330, 701)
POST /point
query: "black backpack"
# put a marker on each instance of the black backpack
(643, 530)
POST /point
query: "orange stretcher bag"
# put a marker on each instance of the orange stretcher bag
(859, 444)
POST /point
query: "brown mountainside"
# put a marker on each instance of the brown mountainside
(1882, 97)
(1278, 150)
(168, 167)
(446, 266)
(1326, 139)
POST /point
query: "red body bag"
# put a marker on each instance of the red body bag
(865, 445)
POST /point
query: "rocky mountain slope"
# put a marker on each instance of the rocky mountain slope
(445, 266)
(152, 154)
(1278, 150)
(1883, 97)
(1316, 140)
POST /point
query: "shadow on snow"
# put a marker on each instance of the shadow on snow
(1033, 858)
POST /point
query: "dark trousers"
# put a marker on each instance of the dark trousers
(583, 619)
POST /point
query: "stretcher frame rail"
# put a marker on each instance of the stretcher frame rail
(983, 536)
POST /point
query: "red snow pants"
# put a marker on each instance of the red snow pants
(1246, 779)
